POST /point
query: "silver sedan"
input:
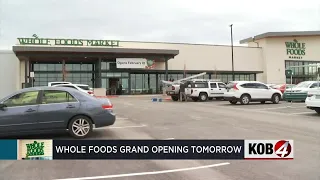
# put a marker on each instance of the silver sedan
(47, 109)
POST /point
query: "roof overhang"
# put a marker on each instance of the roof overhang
(93, 52)
(280, 34)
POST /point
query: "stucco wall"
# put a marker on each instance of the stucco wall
(207, 57)
(10, 73)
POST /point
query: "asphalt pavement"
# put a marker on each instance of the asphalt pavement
(140, 118)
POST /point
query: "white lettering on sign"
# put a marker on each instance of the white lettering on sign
(131, 63)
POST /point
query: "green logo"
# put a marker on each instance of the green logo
(295, 49)
(150, 62)
(35, 149)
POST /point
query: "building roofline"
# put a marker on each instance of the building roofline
(280, 34)
(191, 44)
(19, 48)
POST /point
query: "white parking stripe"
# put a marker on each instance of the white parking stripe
(309, 112)
(272, 108)
(282, 107)
(169, 139)
(123, 127)
(148, 173)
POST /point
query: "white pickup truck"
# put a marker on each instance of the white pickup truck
(204, 90)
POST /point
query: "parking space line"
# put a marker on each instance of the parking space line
(282, 107)
(272, 108)
(148, 173)
(128, 104)
(169, 139)
(195, 117)
(302, 113)
(123, 127)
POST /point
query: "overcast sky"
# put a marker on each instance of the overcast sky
(183, 21)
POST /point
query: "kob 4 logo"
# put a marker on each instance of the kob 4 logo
(268, 149)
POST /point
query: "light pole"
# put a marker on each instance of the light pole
(232, 52)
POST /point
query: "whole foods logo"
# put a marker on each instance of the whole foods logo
(295, 49)
(151, 64)
(35, 149)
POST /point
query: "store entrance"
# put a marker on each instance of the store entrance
(114, 86)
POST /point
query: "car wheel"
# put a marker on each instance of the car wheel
(203, 97)
(194, 99)
(174, 98)
(317, 110)
(262, 102)
(275, 99)
(245, 99)
(233, 102)
(80, 127)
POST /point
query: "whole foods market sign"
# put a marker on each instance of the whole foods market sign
(35, 40)
(295, 49)
(135, 63)
(35, 149)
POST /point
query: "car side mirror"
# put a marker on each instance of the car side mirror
(2, 106)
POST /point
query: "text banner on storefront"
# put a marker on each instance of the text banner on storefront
(148, 149)
(135, 63)
(35, 40)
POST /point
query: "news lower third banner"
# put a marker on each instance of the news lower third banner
(43, 149)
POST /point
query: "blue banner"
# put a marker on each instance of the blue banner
(8, 149)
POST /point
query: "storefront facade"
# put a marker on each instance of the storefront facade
(283, 50)
(96, 62)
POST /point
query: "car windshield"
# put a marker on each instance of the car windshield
(84, 87)
(303, 85)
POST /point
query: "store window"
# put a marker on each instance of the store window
(153, 83)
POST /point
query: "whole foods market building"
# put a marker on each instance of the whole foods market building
(98, 63)
(140, 66)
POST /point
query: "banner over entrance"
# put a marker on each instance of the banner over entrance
(135, 63)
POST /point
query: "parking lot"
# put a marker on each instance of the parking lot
(140, 118)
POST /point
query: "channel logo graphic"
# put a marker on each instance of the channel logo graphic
(268, 149)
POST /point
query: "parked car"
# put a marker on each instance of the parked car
(313, 100)
(57, 83)
(46, 109)
(204, 90)
(80, 87)
(304, 87)
(249, 91)
(300, 91)
(283, 87)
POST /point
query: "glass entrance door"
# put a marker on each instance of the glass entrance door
(115, 86)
